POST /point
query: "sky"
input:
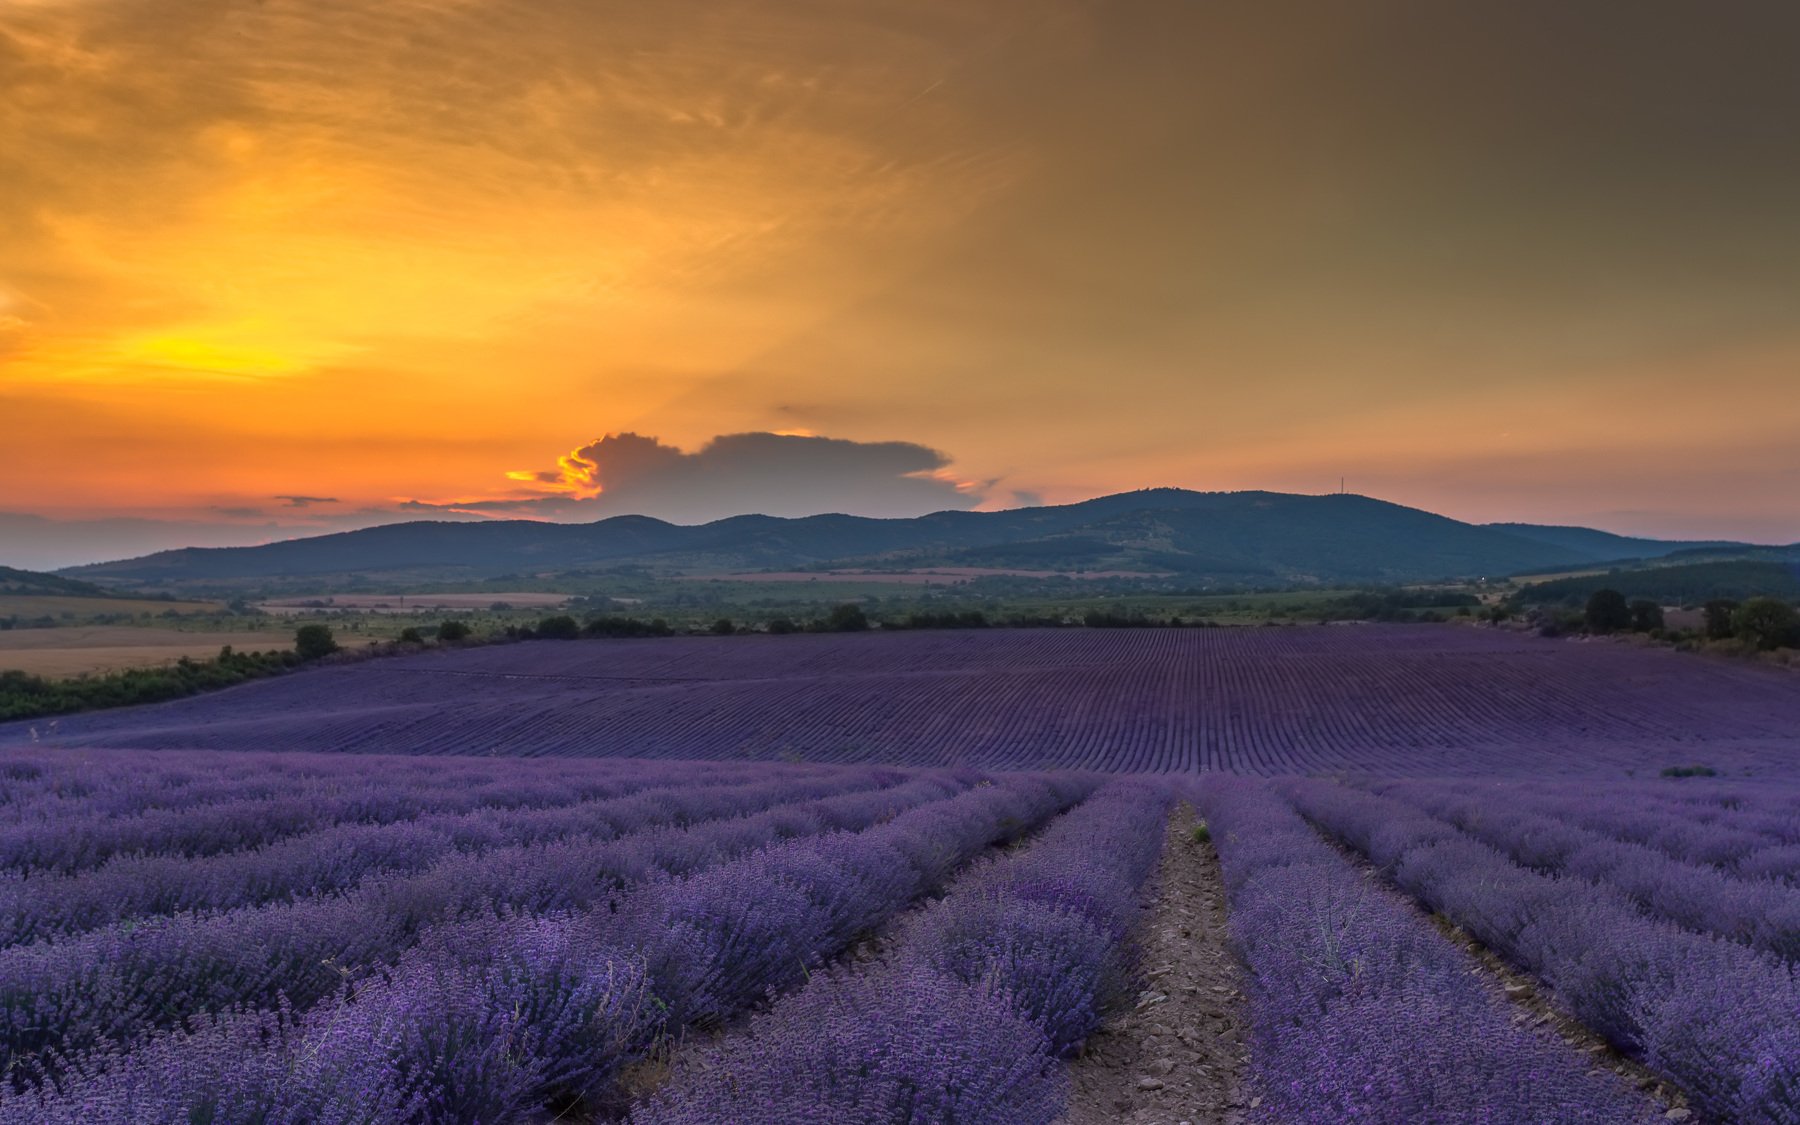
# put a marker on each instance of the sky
(275, 267)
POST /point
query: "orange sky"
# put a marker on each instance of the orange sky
(1534, 263)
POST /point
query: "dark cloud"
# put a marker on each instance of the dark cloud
(736, 474)
(307, 501)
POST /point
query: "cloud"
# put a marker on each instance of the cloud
(306, 501)
(789, 474)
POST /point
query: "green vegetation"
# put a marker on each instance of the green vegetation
(1607, 612)
(1766, 624)
(1690, 771)
(1687, 584)
(24, 696)
(559, 628)
(314, 642)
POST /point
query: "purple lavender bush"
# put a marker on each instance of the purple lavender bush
(1713, 1016)
(985, 989)
(912, 1048)
(1359, 1011)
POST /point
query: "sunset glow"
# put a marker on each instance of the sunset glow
(1504, 262)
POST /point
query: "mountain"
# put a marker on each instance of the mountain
(1258, 538)
(1604, 546)
(16, 583)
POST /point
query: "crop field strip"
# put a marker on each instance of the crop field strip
(1390, 701)
(1763, 914)
(330, 860)
(112, 984)
(975, 1000)
(1361, 1011)
(72, 843)
(1713, 1016)
(486, 1018)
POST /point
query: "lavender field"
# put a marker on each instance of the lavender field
(1390, 700)
(611, 882)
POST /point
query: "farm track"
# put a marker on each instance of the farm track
(1179, 1055)
(1391, 701)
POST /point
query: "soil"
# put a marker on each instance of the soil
(1178, 1057)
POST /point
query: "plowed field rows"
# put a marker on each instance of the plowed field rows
(1385, 700)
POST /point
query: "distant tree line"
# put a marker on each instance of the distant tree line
(1760, 624)
(27, 696)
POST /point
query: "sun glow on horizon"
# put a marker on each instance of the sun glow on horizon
(258, 247)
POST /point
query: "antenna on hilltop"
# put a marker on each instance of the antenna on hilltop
(1340, 486)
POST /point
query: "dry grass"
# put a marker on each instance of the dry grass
(76, 649)
(407, 603)
(51, 605)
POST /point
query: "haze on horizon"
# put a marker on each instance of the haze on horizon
(274, 267)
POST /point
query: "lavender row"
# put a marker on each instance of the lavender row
(49, 784)
(334, 859)
(488, 1020)
(1716, 1018)
(80, 841)
(1392, 701)
(1359, 1011)
(1764, 914)
(116, 983)
(986, 989)
(1749, 844)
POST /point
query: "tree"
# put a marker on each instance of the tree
(1767, 623)
(782, 625)
(1645, 616)
(453, 631)
(560, 628)
(410, 636)
(847, 618)
(1607, 612)
(1718, 618)
(313, 642)
(723, 627)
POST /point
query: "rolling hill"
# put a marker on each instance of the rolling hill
(30, 583)
(1252, 538)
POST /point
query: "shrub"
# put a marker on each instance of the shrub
(451, 631)
(559, 628)
(1689, 771)
(1766, 623)
(1718, 618)
(314, 642)
(847, 618)
(1646, 616)
(1607, 612)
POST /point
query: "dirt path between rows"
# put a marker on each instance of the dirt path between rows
(1179, 1056)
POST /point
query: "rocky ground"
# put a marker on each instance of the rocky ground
(1177, 1057)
